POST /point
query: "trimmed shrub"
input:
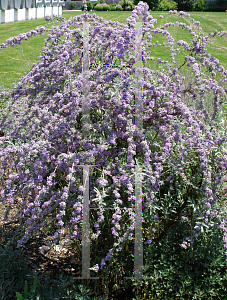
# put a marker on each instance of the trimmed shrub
(200, 5)
(112, 7)
(106, 7)
(125, 3)
(89, 6)
(98, 7)
(166, 5)
(98, 2)
(72, 5)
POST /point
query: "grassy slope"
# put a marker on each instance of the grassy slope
(16, 61)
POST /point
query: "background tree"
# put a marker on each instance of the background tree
(185, 5)
(153, 4)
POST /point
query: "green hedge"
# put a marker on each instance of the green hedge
(166, 5)
(211, 7)
(126, 3)
(106, 7)
(72, 5)
(112, 7)
(98, 7)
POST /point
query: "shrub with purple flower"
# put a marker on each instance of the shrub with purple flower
(178, 146)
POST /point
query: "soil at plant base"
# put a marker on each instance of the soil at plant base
(53, 260)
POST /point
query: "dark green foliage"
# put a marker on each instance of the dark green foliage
(112, 7)
(222, 2)
(153, 4)
(182, 274)
(72, 5)
(166, 5)
(185, 5)
(13, 271)
(26, 293)
(200, 5)
(126, 3)
(214, 8)
(89, 6)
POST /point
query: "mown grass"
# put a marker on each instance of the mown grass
(17, 61)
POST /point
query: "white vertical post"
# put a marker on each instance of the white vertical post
(85, 132)
(138, 262)
(85, 80)
(86, 227)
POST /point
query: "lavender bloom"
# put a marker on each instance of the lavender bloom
(103, 262)
(196, 23)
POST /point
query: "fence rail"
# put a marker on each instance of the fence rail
(20, 10)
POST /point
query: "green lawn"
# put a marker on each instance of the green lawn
(17, 61)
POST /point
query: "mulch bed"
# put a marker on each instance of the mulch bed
(52, 260)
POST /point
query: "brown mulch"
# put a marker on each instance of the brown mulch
(53, 260)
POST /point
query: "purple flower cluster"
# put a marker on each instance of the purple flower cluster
(173, 12)
(184, 14)
(54, 17)
(45, 142)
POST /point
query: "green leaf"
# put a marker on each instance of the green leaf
(26, 288)
(19, 296)
(34, 284)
